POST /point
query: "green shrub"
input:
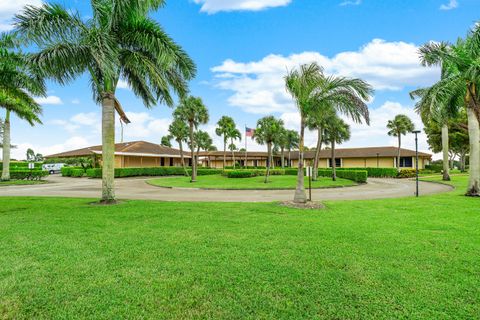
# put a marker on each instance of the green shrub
(28, 174)
(248, 173)
(375, 172)
(66, 171)
(21, 165)
(243, 168)
(77, 173)
(407, 173)
(437, 168)
(151, 172)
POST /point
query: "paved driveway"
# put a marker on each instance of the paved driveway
(137, 188)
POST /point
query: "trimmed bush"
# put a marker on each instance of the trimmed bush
(21, 165)
(252, 173)
(375, 172)
(77, 173)
(28, 174)
(407, 173)
(243, 168)
(434, 167)
(151, 172)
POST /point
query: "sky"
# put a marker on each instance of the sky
(243, 49)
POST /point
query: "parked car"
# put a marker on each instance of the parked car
(53, 168)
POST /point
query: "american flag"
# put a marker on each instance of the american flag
(249, 132)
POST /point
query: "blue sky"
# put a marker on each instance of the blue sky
(242, 50)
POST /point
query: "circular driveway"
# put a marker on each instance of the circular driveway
(138, 189)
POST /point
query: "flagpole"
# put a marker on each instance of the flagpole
(246, 164)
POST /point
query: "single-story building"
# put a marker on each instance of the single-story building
(134, 154)
(146, 154)
(381, 157)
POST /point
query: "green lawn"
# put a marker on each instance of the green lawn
(221, 182)
(397, 258)
(21, 182)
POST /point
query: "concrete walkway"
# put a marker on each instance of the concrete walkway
(138, 189)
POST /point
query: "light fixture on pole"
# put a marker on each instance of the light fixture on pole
(416, 160)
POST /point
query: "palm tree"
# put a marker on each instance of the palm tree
(432, 109)
(266, 132)
(400, 125)
(119, 41)
(233, 134)
(166, 141)
(461, 76)
(223, 127)
(318, 120)
(179, 131)
(194, 112)
(312, 90)
(291, 142)
(19, 81)
(336, 132)
(282, 145)
(203, 141)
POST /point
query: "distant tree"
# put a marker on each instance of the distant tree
(400, 125)
(233, 134)
(179, 131)
(291, 142)
(266, 132)
(166, 141)
(223, 129)
(38, 157)
(30, 155)
(336, 132)
(194, 112)
(203, 141)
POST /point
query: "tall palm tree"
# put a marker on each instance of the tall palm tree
(282, 144)
(292, 139)
(203, 141)
(318, 120)
(266, 132)
(179, 131)
(119, 41)
(435, 107)
(400, 125)
(461, 77)
(234, 134)
(194, 112)
(223, 128)
(19, 82)
(336, 132)
(312, 90)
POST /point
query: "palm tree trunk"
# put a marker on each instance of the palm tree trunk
(399, 147)
(300, 196)
(283, 158)
(317, 155)
(224, 153)
(334, 163)
(180, 145)
(269, 151)
(474, 136)
(192, 154)
(289, 157)
(445, 147)
(6, 148)
(108, 148)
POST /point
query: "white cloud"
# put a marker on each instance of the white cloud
(75, 142)
(351, 3)
(122, 84)
(452, 4)
(214, 6)
(258, 86)
(10, 7)
(50, 100)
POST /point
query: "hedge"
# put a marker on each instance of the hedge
(240, 167)
(252, 173)
(407, 173)
(28, 174)
(77, 173)
(68, 171)
(152, 172)
(21, 165)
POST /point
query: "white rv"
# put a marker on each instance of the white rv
(53, 167)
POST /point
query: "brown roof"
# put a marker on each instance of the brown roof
(368, 152)
(126, 148)
(238, 154)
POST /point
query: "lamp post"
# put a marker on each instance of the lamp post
(416, 160)
(378, 162)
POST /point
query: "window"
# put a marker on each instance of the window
(171, 162)
(406, 162)
(162, 162)
(338, 162)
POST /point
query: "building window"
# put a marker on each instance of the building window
(255, 163)
(162, 162)
(338, 162)
(171, 162)
(406, 162)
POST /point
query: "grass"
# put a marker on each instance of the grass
(396, 258)
(221, 182)
(21, 182)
